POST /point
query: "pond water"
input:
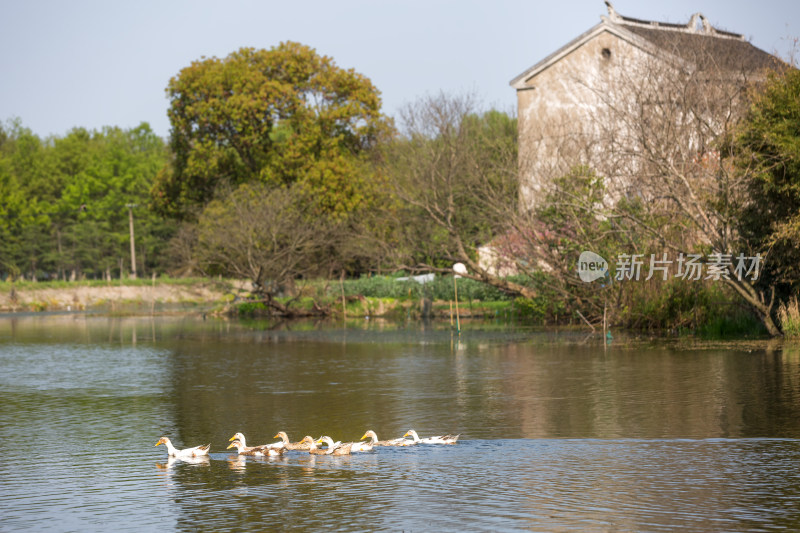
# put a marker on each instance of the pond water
(559, 430)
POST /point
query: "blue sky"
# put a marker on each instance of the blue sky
(106, 63)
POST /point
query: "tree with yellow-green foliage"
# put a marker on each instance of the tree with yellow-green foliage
(283, 117)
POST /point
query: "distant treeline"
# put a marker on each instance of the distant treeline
(65, 203)
(280, 165)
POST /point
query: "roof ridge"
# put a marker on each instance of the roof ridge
(735, 52)
(698, 19)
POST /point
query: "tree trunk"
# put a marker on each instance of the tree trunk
(758, 303)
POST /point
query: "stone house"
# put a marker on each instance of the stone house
(562, 98)
(620, 88)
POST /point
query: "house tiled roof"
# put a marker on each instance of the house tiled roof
(728, 51)
(697, 43)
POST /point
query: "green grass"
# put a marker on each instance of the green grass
(441, 288)
(737, 324)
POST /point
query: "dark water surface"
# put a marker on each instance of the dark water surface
(559, 432)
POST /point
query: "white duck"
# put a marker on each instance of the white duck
(312, 446)
(441, 439)
(256, 451)
(246, 448)
(362, 446)
(394, 442)
(197, 451)
(336, 448)
(302, 445)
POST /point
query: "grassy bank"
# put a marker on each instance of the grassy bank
(129, 295)
(375, 296)
(673, 308)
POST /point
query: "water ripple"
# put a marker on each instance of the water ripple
(79, 421)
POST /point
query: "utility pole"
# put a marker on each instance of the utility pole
(133, 245)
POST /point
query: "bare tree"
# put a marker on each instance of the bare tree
(628, 150)
(262, 234)
(454, 170)
(666, 127)
(654, 125)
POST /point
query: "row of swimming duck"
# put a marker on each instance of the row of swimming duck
(309, 444)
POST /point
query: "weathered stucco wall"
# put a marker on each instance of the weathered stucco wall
(561, 111)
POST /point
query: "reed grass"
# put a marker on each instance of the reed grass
(789, 317)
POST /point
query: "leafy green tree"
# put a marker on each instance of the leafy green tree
(282, 116)
(63, 200)
(104, 173)
(767, 150)
(23, 201)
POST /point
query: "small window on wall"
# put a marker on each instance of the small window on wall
(606, 53)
